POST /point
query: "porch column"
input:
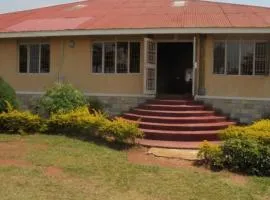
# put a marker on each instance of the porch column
(201, 68)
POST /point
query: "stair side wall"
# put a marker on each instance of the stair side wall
(243, 110)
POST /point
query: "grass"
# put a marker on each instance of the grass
(85, 170)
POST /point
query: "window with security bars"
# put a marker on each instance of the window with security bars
(34, 58)
(219, 58)
(241, 57)
(116, 57)
(232, 57)
(122, 57)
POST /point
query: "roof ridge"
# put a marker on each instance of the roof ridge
(236, 4)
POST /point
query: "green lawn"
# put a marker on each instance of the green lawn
(56, 167)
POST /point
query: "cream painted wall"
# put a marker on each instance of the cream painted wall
(234, 85)
(71, 65)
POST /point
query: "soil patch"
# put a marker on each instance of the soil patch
(12, 150)
(54, 171)
(15, 163)
(140, 156)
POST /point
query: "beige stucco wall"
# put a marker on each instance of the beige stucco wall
(233, 85)
(71, 65)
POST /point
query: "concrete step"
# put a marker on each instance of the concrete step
(172, 144)
(172, 107)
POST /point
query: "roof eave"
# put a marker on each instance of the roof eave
(248, 30)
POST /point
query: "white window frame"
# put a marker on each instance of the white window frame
(115, 64)
(240, 55)
(27, 44)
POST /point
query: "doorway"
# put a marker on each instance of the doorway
(174, 68)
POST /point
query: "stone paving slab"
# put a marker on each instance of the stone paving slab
(184, 154)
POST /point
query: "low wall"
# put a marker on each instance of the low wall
(114, 105)
(241, 109)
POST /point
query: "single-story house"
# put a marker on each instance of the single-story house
(127, 51)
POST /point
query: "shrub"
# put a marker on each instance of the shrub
(7, 94)
(76, 121)
(258, 131)
(121, 130)
(15, 121)
(211, 155)
(238, 155)
(61, 98)
(95, 105)
(246, 155)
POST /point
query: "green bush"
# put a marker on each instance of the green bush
(258, 131)
(95, 105)
(15, 121)
(246, 155)
(61, 98)
(7, 94)
(76, 121)
(211, 155)
(81, 121)
(121, 130)
(238, 155)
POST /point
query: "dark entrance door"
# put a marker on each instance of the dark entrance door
(174, 61)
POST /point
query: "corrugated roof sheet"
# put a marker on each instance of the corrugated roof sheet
(117, 14)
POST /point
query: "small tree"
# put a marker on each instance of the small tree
(61, 98)
(7, 94)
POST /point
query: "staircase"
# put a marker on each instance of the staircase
(177, 123)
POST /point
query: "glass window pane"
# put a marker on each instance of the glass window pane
(219, 58)
(34, 58)
(45, 58)
(109, 62)
(247, 53)
(261, 58)
(134, 57)
(122, 57)
(97, 58)
(23, 59)
(232, 57)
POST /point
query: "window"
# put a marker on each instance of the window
(116, 57)
(232, 57)
(241, 58)
(219, 58)
(34, 58)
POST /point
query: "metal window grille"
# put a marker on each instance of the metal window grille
(219, 57)
(116, 57)
(97, 57)
(151, 80)
(247, 57)
(34, 58)
(232, 57)
(261, 66)
(23, 59)
(109, 57)
(151, 54)
(134, 57)
(122, 57)
(45, 58)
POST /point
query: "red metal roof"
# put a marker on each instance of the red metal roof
(136, 14)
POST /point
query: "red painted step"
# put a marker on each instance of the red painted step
(180, 135)
(172, 102)
(174, 120)
(172, 113)
(185, 127)
(172, 107)
(172, 144)
(177, 123)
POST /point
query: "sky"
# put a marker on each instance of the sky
(15, 5)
